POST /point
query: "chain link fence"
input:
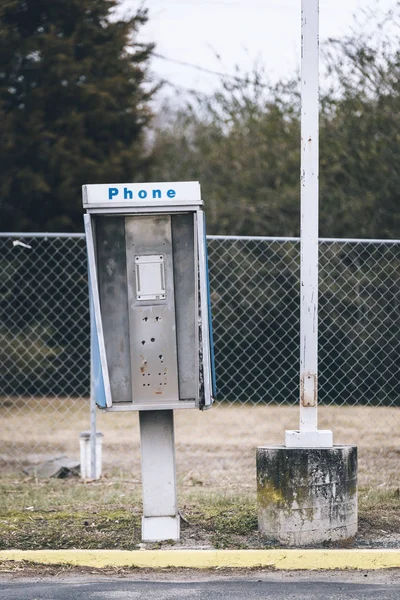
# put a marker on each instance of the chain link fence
(44, 329)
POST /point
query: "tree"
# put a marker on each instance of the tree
(74, 107)
(243, 145)
(360, 131)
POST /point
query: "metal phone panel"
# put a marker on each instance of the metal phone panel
(111, 209)
(100, 367)
(97, 388)
(130, 406)
(152, 329)
(207, 400)
(210, 324)
(110, 246)
(186, 302)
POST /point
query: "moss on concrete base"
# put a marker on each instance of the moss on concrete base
(307, 496)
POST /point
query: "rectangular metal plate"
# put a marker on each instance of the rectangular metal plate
(129, 406)
(150, 277)
(204, 313)
(308, 389)
(152, 328)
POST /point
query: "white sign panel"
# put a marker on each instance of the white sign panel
(133, 194)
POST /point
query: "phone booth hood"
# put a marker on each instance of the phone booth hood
(151, 334)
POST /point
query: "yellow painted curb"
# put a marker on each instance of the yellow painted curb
(208, 559)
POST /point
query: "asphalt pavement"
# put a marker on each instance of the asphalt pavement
(310, 586)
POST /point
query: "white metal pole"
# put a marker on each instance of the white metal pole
(309, 215)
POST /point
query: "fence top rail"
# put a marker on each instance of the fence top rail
(24, 234)
(256, 238)
(297, 239)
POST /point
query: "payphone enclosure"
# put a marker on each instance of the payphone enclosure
(149, 296)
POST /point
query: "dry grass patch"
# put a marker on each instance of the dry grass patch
(72, 514)
(215, 449)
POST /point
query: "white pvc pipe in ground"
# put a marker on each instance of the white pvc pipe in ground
(85, 443)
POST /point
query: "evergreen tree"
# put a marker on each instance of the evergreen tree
(73, 107)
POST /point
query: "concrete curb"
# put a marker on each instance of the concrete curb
(291, 559)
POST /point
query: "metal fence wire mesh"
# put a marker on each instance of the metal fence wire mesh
(44, 329)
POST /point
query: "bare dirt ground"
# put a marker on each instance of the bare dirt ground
(10, 571)
(215, 449)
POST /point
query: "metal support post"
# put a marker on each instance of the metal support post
(90, 441)
(93, 409)
(93, 416)
(309, 218)
(160, 519)
(309, 435)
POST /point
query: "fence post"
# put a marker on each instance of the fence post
(93, 411)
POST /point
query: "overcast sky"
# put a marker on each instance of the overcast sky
(239, 31)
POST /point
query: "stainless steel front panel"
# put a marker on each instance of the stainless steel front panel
(186, 301)
(111, 259)
(152, 328)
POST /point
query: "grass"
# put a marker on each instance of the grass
(379, 511)
(216, 473)
(68, 514)
(221, 520)
(107, 514)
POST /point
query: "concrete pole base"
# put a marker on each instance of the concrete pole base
(307, 496)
